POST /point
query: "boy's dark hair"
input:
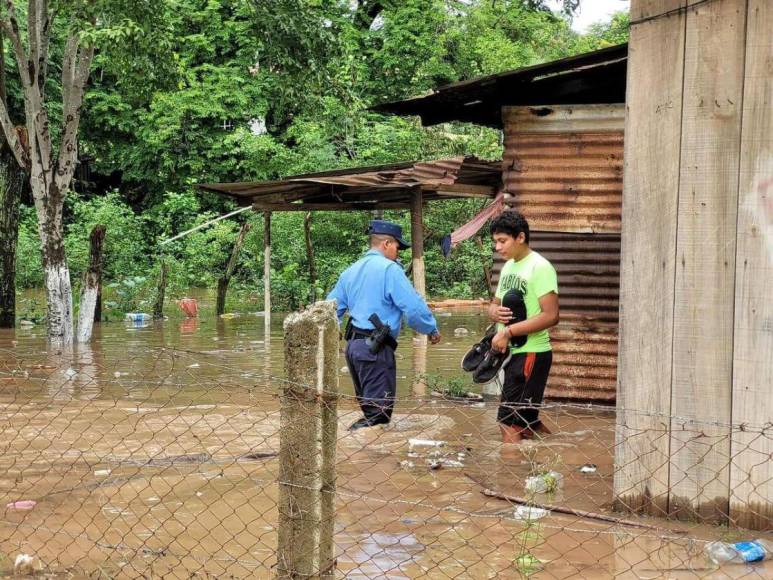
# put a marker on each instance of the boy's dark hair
(511, 223)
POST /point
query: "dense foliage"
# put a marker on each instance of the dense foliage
(235, 90)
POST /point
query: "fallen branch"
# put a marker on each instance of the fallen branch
(569, 511)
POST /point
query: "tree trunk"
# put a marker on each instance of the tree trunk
(222, 283)
(158, 307)
(91, 282)
(12, 180)
(310, 256)
(56, 272)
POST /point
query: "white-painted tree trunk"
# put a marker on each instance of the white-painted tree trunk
(59, 299)
(86, 313)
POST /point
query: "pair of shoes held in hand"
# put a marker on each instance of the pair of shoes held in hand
(483, 362)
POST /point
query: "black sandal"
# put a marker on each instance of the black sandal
(475, 355)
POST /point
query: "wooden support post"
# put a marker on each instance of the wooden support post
(484, 259)
(310, 256)
(704, 293)
(222, 283)
(648, 259)
(267, 272)
(419, 282)
(417, 242)
(751, 472)
(307, 444)
(92, 279)
(158, 307)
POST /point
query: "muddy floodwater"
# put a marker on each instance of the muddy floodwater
(152, 452)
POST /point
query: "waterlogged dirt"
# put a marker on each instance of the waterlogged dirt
(153, 453)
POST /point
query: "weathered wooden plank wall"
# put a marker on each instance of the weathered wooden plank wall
(751, 479)
(705, 265)
(650, 202)
(697, 263)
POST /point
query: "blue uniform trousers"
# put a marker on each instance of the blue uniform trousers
(374, 377)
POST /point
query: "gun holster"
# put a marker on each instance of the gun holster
(381, 335)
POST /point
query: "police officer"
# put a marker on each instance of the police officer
(376, 284)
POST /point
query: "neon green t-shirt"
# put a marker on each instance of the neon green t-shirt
(534, 276)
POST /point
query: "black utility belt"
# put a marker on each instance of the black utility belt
(362, 333)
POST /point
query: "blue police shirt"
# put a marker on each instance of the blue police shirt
(376, 284)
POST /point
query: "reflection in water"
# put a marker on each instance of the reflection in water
(419, 365)
(189, 325)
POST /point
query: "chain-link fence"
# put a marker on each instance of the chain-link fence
(170, 468)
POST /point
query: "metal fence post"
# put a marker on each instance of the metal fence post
(307, 444)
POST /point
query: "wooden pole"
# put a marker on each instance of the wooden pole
(267, 272)
(307, 444)
(417, 242)
(419, 282)
(310, 256)
(222, 283)
(92, 280)
(486, 267)
(158, 307)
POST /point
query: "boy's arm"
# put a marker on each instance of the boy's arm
(545, 319)
(497, 312)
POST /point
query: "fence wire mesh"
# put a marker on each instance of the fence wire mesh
(165, 464)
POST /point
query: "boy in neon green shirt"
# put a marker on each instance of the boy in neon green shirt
(527, 371)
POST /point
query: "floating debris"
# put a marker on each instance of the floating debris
(544, 483)
(24, 565)
(22, 504)
(588, 468)
(461, 331)
(413, 443)
(529, 513)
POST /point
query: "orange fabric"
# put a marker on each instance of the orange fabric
(189, 306)
(528, 365)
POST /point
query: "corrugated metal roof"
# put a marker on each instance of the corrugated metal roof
(368, 187)
(594, 77)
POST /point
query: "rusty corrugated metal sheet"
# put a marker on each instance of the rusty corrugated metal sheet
(585, 341)
(563, 165)
(387, 183)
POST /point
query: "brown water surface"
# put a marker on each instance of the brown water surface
(151, 452)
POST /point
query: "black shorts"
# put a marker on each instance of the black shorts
(525, 378)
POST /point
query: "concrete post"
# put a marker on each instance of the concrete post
(307, 444)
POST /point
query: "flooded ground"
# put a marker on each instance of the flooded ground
(152, 453)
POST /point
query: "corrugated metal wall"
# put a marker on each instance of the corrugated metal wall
(563, 171)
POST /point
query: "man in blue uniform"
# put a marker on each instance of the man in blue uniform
(376, 284)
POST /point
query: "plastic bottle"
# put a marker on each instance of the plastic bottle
(138, 317)
(739, 552)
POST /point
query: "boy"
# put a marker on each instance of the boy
(527, 372)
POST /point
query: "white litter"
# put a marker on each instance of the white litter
(412, 443)
(529, 513)
(24, 565)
